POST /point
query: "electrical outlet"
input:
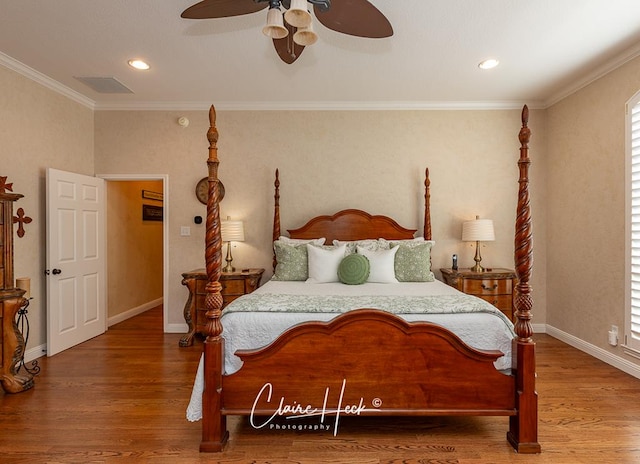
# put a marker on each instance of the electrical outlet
(613, 335)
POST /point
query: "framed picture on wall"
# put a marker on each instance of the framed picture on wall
(152, 195)
(151, 213)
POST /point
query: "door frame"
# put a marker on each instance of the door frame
(165, 231)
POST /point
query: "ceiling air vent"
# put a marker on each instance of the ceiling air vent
(105, 84)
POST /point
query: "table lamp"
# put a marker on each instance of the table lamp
(231, 231)
(479, 230)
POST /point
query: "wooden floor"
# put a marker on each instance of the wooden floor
(121, 397)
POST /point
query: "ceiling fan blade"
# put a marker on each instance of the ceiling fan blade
(355, 17)
(222, 8)
(287, 49)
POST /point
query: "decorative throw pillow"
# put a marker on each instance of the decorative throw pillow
(292, 262)
(413, 262)
(323, 263)
(301, 241)
(381, 262)
(354, 269)
(369, 244)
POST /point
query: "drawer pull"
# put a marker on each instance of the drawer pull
(485, 287)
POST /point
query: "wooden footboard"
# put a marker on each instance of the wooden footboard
(367, 362)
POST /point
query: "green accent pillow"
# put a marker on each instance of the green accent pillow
(413, 262)
(292, 262)
(354, 269)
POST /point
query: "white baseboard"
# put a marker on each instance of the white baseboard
(134, 312)
(176, 328)
(35, 353)
(603, 355)
(539, 328)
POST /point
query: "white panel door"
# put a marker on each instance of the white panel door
(76, 259)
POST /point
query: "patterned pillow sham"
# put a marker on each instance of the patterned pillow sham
(413, 261)
(300, 241)
(369, 244)
(292, 261)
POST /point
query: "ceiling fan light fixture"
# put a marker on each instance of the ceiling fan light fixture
(297, 15)
(275, 25)
(305, 36)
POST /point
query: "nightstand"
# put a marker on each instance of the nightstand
(234, 285)
(495, 286)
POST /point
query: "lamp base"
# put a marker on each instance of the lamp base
(477, 258)
(228, 259)
(477, 268)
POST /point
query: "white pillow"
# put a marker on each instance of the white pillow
(323, 263)
(382, 265)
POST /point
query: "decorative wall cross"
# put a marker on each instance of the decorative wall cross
(4, 186)
(21, 219)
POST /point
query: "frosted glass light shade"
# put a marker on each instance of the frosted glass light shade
(297, 14)
(479, 230)
(305, 36)
(275, 25)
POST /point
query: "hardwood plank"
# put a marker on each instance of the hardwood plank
(121, 397)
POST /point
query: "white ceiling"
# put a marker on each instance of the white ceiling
(546, 48)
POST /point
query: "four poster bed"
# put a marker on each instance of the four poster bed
(374, 356)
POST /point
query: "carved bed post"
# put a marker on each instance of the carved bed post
(214, 428)
(427, 206)
(523, 428)
(276, 214)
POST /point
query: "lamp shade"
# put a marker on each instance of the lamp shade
(305, 36)
(232, 231)
(275, 25)
(297, 15)
(479, 230)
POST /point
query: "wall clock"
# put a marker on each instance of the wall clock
(202, 190)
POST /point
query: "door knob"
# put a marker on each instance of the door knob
(56, 272)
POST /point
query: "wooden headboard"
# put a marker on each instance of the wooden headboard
(351, 224)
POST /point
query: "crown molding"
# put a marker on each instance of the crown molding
(611, 65)
(44, 80)
(316, 106)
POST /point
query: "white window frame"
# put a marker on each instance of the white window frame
(631, 342)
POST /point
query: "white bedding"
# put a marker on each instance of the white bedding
(487, 328)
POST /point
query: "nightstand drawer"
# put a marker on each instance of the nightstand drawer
(502, 302)
(487, 286)
(232, 287)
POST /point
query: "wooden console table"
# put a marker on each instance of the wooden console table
(234, 285)
(12, 343)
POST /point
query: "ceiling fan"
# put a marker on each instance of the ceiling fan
(292, 31)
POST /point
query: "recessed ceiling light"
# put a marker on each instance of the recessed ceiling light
(138, 64)
(488, 64)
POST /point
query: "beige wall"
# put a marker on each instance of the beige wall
(328, 160)
(39, 129)
(586, 208)
(373, 160)
(134, 247)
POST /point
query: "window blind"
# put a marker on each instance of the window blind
(633, 325)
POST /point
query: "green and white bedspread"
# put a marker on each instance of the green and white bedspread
(336, 304)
